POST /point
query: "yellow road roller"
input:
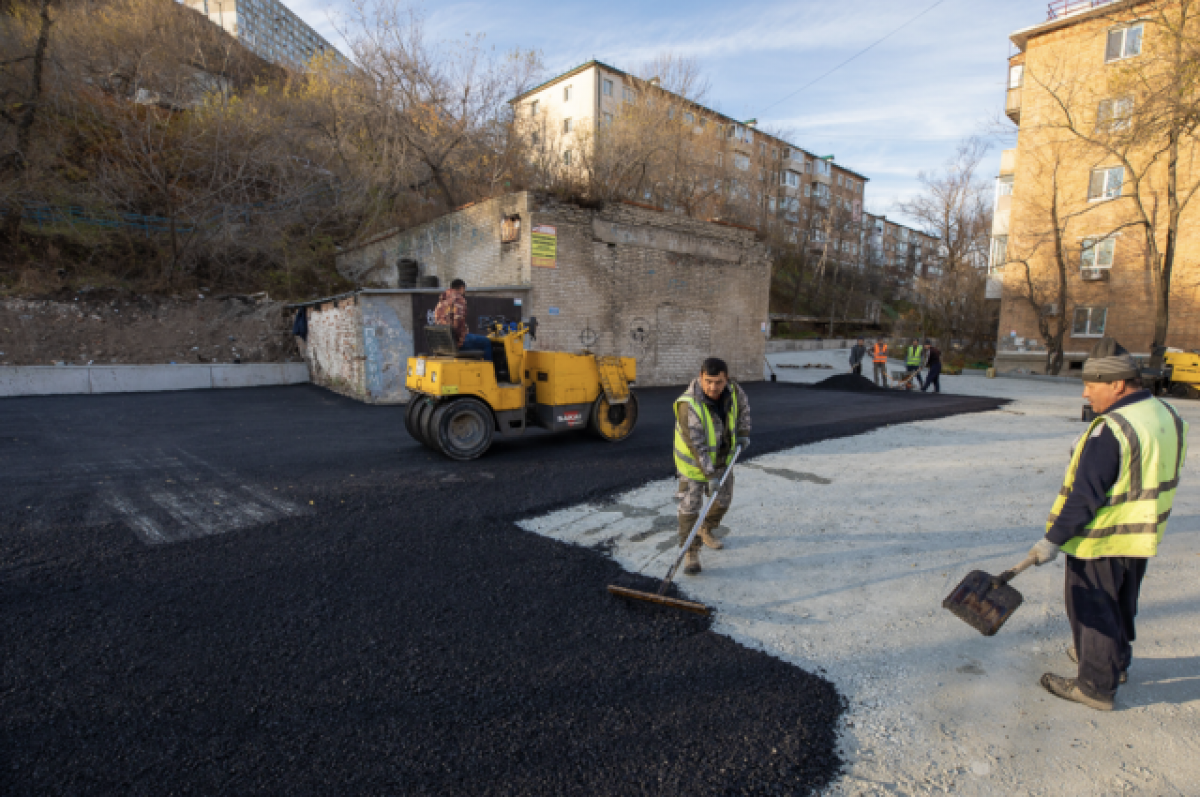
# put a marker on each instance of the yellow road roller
(1182, 373)
(460, 402)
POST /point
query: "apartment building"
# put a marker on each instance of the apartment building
(269, 29)
(1083, 172)
(759, 179)
(906, 255)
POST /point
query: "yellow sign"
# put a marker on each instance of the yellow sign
(545, 246)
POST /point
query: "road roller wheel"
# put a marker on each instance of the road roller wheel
(463, 429)
(410, 414)
(613, 422)
(425, 408)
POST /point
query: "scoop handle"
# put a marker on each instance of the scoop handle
(1009, 575)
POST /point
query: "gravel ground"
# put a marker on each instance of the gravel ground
(838, 555)
(275, 591)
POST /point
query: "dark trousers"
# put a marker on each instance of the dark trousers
(1101, 597)
(477, 343)
(934, 377)
(856, 369)
(910, 369)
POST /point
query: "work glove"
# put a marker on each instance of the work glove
(1044, 552)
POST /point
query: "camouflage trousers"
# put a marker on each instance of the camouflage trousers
(691, 495)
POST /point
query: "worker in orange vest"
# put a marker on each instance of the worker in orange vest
(879, 353)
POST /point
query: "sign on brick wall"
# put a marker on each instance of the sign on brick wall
(545, 246)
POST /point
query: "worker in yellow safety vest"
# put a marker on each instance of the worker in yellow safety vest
(712, 418)
(879, 354)
(1108, 519)
(914, 359)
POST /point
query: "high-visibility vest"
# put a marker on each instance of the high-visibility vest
(879, 353)
(1153, 440)
(684, 461)
(914, 355)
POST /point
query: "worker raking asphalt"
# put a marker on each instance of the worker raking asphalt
(277, 591)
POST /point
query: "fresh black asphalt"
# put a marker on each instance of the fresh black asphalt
(276, 591)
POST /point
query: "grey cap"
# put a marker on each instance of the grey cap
(1109, 369)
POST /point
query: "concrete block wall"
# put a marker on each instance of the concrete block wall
(461, 245)
(628, 280)
(387, 345)
(40, 380)
(660, 287)
(334, 350)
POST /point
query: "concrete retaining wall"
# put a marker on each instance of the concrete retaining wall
(39, 380)
(776, 346)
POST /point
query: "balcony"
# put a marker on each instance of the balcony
(1012, 105)
(1057, 9)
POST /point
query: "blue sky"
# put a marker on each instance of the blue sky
(894, 111)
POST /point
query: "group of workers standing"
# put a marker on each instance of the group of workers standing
(1108, 517)
(916, 357)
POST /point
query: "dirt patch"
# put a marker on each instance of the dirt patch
(103, 328)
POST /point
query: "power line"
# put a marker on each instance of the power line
(856, 55)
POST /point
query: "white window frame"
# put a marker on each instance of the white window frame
(1097, 252)
(567, 93)
(1093, 328)
(567, 125)
(607, 88)
(1016, 76)
(1107, 191)
(1124, 46)
(566, 157)
(608, 119)
(533, 108)
(628, 94)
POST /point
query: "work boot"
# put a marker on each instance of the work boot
(1074, 656)
(711, 523)
(691, 562)
(1069, 689)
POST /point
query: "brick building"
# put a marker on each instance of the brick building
(624, 279)
(1085, 156)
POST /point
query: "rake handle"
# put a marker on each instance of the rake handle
(662, 589)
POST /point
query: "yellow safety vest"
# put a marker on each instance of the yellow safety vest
(914, 355)
(1153, 440)
(684, 461)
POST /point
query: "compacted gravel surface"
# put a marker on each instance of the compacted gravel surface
(277, 591)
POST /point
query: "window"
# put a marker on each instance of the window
(690, 118)
(566, 125)
(1106, 183)
(999, 250)
(839, 181)
(771, 204)
(785, 153)
(741, 161)
(1097, 252)
(567, 94)
(1089, 322)
(1004, 186)
(1123, 43)
(720, 159)
(807, 189)
(671, 112)
(793, 179)
(533, 108)
(762, 149)
(608, 88)
(1016, 74)
(535, 138)
(567, 157)
(807, 169)
(704, 122)
(510, 229)
(628, 94)
(1114, 115)
(608, 119)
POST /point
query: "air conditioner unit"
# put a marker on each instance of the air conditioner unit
(1093, 274)
(1050, 309)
